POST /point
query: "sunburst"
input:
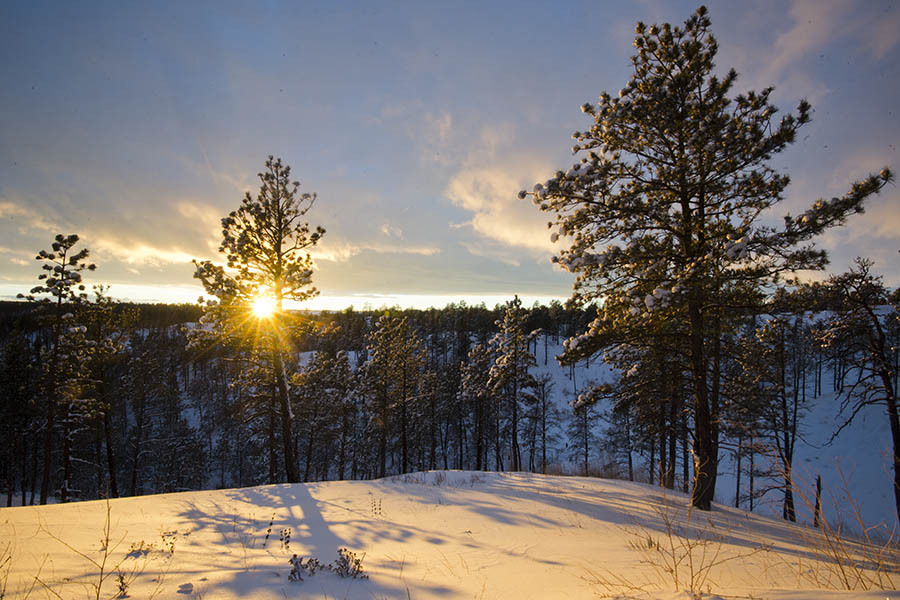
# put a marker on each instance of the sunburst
(263, 306)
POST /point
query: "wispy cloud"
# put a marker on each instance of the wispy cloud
(392, 231)
(206, 218)
(487, 185)
(490, 193)
(140, 253)
(342, 251)
(29, 220)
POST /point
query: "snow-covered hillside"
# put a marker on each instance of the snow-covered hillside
(426, 535)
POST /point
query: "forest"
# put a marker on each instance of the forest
(145, 406)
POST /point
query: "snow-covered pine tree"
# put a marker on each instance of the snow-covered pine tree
(109, 324)
(662, 213)
(475, 395)
(325, 412)
(393, 370)
(266, 245)
(510, 378)
(64, 359)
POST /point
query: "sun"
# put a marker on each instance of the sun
(263, 307)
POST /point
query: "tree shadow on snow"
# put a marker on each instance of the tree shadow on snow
(250, 553)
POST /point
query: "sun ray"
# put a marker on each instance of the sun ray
(263, 306)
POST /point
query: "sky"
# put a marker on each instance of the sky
(139, 125)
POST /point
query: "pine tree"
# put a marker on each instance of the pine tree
(582, 438)
(265, 243)
(662, 212)
(475, 395)
(108, 325)
(510, 378)
(326, 410)
(543, 420)
(61, 290)
(396, 359)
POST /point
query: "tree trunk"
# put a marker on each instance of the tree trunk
(704, 455)
(894, 419)
(287, 434)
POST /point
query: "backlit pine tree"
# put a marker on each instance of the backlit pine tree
(266, 245)
(661, 214)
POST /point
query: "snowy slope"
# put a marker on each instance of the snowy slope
(427, 535)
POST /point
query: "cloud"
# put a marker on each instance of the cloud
(487, 185)
(141, 253)
(432, 133)
(392, 231)
(884, 34)
(343, 251)
(489, 250)
(490, 193)
(28, 218)
(815, 23)
(438, 126)
(205, 218)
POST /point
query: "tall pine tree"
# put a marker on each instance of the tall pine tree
(266, 245)
(662, 212)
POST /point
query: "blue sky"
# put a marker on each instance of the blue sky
(139, 125)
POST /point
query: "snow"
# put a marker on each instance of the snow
(441, 534)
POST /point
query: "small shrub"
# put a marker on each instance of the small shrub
(268, 531)
(168, 540)
(299, 567)
(348, 565)
(140, 549)
(5, 565)
(122, 582)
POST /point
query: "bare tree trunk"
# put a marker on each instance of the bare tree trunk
(287, 433)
